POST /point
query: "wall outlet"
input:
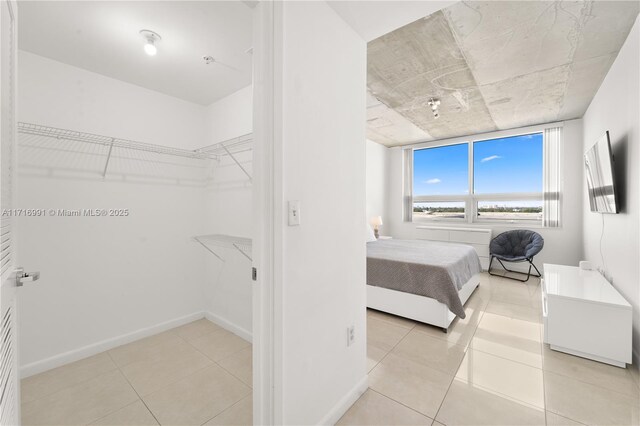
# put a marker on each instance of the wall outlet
(351, 335)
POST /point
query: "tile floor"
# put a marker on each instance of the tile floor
(195, 374)
(490, 369)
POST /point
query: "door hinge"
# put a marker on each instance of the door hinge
(254, 274)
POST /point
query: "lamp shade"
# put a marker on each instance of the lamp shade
(376, 220)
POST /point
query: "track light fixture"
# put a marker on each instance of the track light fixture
(434, 103)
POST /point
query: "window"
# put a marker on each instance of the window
(492, 180)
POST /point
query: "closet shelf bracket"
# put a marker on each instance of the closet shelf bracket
(243, 245)
(106, 164)
(233, 157)
(231, 148)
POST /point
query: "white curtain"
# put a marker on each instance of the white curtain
(407, 183)
(552, 178)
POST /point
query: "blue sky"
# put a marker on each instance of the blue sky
(501, 165)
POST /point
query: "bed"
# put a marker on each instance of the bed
(426, 281)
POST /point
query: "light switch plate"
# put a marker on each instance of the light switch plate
(294, 213)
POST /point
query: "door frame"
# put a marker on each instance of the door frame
(267, 227)
(8, 286)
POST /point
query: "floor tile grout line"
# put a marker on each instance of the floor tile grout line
(389, 321)
(121, 408)
(509, 359)
(209, 366)
(219, 365)
(505, 396)
(539, 312)
(117, 367)
(544, 371)
(227, 357)
(236, 377)
(432, 368)
(135, 390)
(400, 403)
(435, 417)
(435, 369)
(70, 386)
(182, 378)
(390, 350)
(172, 382)
(563, 416)
(227, 409)
(107, 352)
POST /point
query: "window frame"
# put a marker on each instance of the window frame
(471, 199)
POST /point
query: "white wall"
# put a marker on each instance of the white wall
(228, 202)
(105, 277)
(377, 164)
(322, 290)
(616, 107)
(55, 94)
(562, 245)
(230, 116)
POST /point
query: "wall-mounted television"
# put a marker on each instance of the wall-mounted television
(600, 178)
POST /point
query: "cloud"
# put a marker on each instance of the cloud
(435, 180)
(491, 157)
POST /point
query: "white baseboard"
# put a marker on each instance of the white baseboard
(104, 345)
(346, 402)
(229, 326)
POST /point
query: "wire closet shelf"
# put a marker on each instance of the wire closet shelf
(230, 147)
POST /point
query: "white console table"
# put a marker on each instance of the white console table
(584, 315)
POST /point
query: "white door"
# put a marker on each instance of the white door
(9, 380)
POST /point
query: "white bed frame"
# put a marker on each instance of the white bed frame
(415, 307)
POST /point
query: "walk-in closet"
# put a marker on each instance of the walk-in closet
(132, 204)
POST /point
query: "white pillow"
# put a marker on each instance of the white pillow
(370, 234)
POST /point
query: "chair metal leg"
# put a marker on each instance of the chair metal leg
(528, 274)
(534, 266)
(489, 269)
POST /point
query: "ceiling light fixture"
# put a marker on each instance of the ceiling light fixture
(434, 103)
(150, 38)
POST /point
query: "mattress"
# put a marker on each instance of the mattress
(432, 269)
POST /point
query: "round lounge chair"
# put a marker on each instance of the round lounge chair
(519, 245)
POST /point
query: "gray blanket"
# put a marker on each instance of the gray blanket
(426, 268)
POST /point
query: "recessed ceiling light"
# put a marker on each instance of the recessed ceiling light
(150, 38)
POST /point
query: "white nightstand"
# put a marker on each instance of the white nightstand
(384, 237)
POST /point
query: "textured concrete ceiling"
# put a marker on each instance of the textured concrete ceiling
(494, 65)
